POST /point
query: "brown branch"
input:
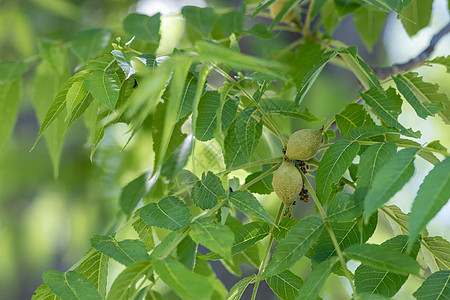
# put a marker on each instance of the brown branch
(385, 72)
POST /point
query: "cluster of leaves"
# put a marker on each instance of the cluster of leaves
(174, 97)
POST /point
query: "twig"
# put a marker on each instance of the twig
(266, 257)
(331, 233)
(385, 72)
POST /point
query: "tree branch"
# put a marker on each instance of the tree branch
(385, 72)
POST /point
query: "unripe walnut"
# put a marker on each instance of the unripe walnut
(304, 144)
(287, 182)
(276, 7)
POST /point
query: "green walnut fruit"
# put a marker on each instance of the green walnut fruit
(276, 7)
(304, 144)
(287, 182)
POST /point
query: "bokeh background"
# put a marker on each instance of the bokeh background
(46, 222)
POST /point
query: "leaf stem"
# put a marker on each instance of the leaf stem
(426, 149)
(331, 233)
(266, 256)
(308, 18)
(250, 97)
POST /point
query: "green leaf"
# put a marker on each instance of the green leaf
(127, 280)
(232, 22)
(90, 42)
(145, 233)
(187, 252)
(132, 193)
(187, 284)
(285, 285)
(366, 132)
(206, 118)
(248, 204)
(332, 166)
(389, 180)
(43, 292)
(229, 112)
(143, 27)
(360, 69)
(262, 5)
(370, 163)
(59, 102)
(288, 6)
(347, 234)
(287, 108)
(207, 190)
(124, 60)
(164, 249)
(216, 237)
(170, 119)
(382, 257)
(11, 71)
(75, 95)
(319, 274)
(248, 131)
(306, 64)
(188, 95)
(170, 213)
(440, 60)
(366, 296)
(416, 15)
(422, 96)
(279, 233)
(433, 194)
(178, 139)
(219, 54)
(70, 285)
(297, 242)
(388, 107)
(438, 246)
(201, 18)
(94, 268)
(126, 252)
(436, 287)
(46, 85)
(178, 158)
(343, 208)
(263, 186)
(399, 223)
(389, 5)
(233, 151)
(148, 93)
(10, 95)
(260, 30)
(352, 117)
(247, 235)
(238, 289)
(369, 23)
(375, 281)
(104, 87)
